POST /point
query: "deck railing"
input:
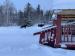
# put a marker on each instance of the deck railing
(68, 33)
(47, 35)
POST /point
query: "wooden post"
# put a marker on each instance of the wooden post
(67, 32)
(42, 37)
(57, 23)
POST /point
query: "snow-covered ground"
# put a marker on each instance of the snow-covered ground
(15, 41)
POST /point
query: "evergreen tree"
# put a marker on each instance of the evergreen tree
(38, 10)
(38, 14)
(48, 16)
(29, 13)
(21, 17)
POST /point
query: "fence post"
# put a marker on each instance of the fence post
(57, 23)
(42, 37)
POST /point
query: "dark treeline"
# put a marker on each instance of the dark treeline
(9, 16)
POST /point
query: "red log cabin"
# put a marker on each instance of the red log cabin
(62, 32)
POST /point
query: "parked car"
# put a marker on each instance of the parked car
(41, 25)
(23, 26)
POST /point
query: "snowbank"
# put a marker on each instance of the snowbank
(15, 41)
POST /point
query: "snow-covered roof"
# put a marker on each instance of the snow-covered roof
(66, 11)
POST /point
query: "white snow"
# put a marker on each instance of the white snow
(44, 28)
(15, 41)
(69, 23)
(63, 46)
(49, 27)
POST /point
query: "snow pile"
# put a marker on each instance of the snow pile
(15, 41)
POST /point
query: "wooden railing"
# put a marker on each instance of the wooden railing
(47, 35)
(68, 33)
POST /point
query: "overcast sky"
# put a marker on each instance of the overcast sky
(45, 4)
(64, 4)
(19, 4)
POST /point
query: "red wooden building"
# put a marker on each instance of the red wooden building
(62, 32)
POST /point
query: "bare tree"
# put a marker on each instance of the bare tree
(9, 11)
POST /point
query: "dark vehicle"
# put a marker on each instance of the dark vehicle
(40, 25)
(23, 26)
